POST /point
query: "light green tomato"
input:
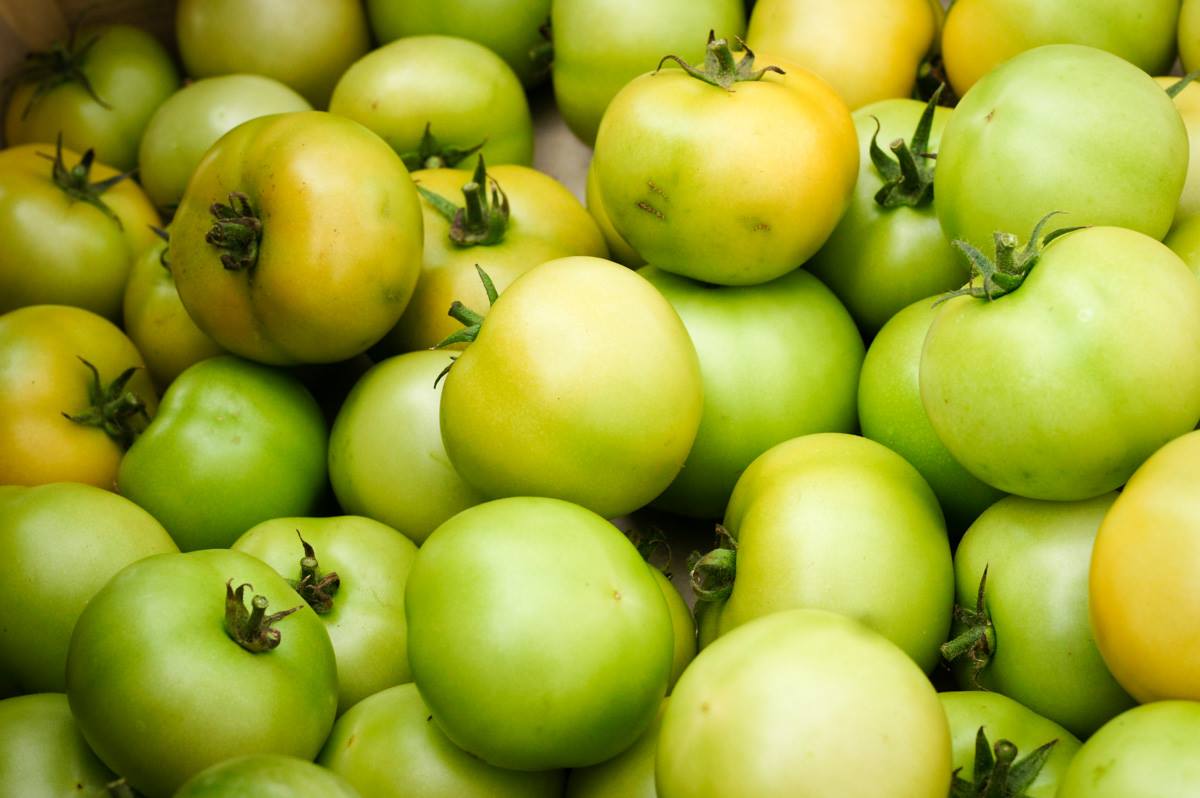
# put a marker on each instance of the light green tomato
(600, 45)
(266, 776)
(364, 615)
(1184, 241)
(1188, 103)
(890, 411)
(1189, 35)
(463, 91)
(42, 752)
(192, 119)
(60, 544)
(793, 341)
(629, 774)
(386, 457)
(1005, 719)
(618, 247)
(388, 746)
(682, 624)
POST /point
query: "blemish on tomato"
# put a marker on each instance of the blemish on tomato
(617, 595)
(350, 742)
(656, 189)
(650, 209)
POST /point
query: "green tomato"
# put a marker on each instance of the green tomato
(793, 341)
(130, 74)
(803, 703)
(618, 247)
(1005, 719)
(192, 119)
(600, 45)
(161, 688)
(1151, 751)
(356, 586)
(682, 624)
(397, 473)
(891, 412)
(462, 91)
(582, 384)
(266, 776)
(1038, 134)
(881, 258)
(1189, 35)
(629, 774)
(1184, 241)
(1097, 368)
(248, 439)
(1188, 104)
(42, 752)
(510, 28)
(304, 44)
(537, 635)
(60, 543)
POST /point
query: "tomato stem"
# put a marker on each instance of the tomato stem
(253, 630)
(432, 154)
(721, 69)
(998, 773)
(712, 575)
(61, 64)
(907, 180)
(479, 221)
(978, 640)
(120, 412)
(315, 588)
(76, 181)
(237, 230)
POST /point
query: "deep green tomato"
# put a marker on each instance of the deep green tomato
(891, 412)
(590, 68)
(42, 752)
(248, 439)
(305, 44)
(510, 28)
(1097, 368)
(838, 522)
(364, 613)
(160, 688)
(629, 774)
(1151, 751)
(192, 119)
(545, 221)
(463, 91)
(1038, 134)
(59, 250)
(397, 473)
(880, 259)
(793, 341)
(266, 776)
(803, 703)
(682, 624)
(1043, 652)
(582, 384)
(536, 634)
(60, 543)
(130, 74)
(1005, 719)
(388, 747)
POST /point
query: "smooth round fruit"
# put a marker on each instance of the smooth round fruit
(629, 774)
(42, 753)
(266, 776)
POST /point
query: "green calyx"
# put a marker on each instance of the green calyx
(472, 322)
(977, 642)
(541, 55)
(908, 172)
(431, 154)
(481, 221)
(162, 256)
(76, 181)
(998, 772)
(1008, 271)
(712, 575)
(253, 630)
(721, 69)
(120, 412)
(63, 63)
(237, 231)
(315, 588)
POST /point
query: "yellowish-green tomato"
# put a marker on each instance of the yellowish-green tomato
(1184, 241)
(618, 247)
(1187, 102)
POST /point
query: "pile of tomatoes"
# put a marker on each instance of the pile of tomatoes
(340, 449)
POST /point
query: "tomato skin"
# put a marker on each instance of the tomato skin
(462, 90)
(128, 69)
(62, 542)
(311, 42)
(191, 121)
(1147, 752)
(803, 702)
(151, 649)
(1184, 241)
(791, 339)
(1037, 556)
(1187, 102)
(543, 404)
(762, 205)
(341, 240)
(61, 251)
(366, 624)
(266, 776)
(629, 774)
(1189, 35)
(42, 752)
(1144, 599)
(41, 378)
(248, 438)
(1038, 135)
(618, 248)
(1005, 719)
(588, 70)
(982, 34)
(682, 624)
(537, 602)
(868, 50)
(1104, 332)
